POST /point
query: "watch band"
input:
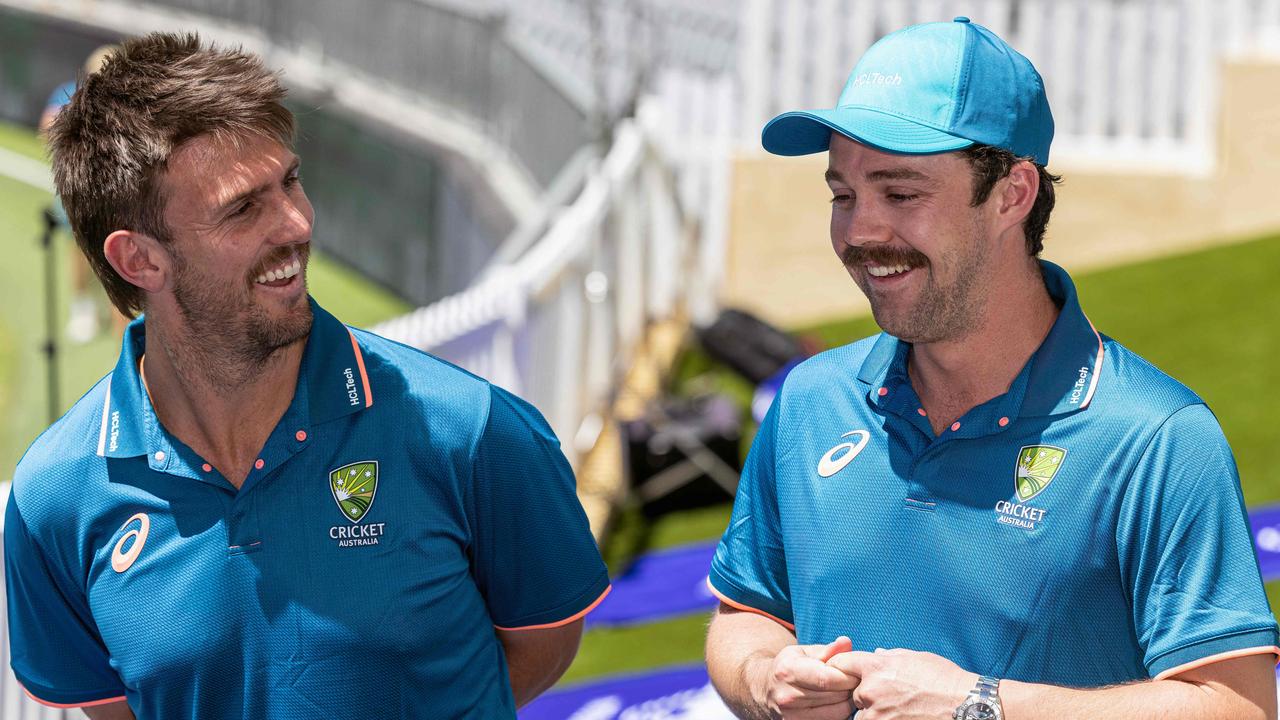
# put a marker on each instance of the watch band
(988, 687)
(984, 698)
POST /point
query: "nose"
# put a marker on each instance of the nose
(295, 218)
(861, 225)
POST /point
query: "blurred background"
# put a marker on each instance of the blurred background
(569, 198)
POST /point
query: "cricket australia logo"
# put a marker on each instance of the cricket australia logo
(1034, 470)
(1037, 464)
(354, 487)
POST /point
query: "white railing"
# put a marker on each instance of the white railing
(559, 324)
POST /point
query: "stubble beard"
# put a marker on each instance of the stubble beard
(942, 311)
(229, 336)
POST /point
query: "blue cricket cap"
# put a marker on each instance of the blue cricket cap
(928, 89)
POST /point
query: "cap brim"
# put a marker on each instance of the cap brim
(809, 131)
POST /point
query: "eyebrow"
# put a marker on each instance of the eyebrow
(252, 192)
(897, 174)
(901, 173)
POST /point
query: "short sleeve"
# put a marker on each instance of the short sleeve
(533, 555)
(55, 649)
(749, 569)
(1186, 554)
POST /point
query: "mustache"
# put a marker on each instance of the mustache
(878, 255)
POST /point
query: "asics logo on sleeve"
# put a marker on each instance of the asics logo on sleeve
(842, 454)
(122, 559)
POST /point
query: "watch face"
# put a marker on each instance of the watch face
(979, 711)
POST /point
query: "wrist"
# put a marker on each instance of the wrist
(756, 674)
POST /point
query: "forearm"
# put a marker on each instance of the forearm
(537, 658)
(741, 647)
(110, 711)
(1240, 689)
(531, 676)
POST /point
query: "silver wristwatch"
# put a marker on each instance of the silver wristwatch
(983, 702)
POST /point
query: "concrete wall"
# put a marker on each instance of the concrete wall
(780, 263)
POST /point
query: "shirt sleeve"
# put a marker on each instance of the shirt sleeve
(533, 555)
(749, 569)
(55, 649)
(1186, 553)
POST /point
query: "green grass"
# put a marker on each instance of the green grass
(22, 140)
(1210, 319)
(23, 377)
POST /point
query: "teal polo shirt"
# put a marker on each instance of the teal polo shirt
(401, 509)
(1085, 528)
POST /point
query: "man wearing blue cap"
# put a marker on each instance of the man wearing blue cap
(990, 510)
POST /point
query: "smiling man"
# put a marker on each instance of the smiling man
(989, 511)
(228, 525)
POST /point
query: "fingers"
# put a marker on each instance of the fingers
(811, 675)
(855, 662)
(824, 653)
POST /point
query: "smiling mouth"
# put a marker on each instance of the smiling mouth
(281, 274)
(881, 271)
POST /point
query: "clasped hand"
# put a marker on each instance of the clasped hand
(828, 682)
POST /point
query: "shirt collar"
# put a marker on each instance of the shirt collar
(1062, 375)
(333, 382)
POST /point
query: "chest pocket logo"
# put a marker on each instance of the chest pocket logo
(122, 558)
(830, 464)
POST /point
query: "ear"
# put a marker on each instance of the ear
(139, 259)
(1016, 194)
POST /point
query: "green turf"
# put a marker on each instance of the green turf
(22, 140)
(23, 377)
(638, 648)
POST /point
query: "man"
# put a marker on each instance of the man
(261, 513)
(990, 510)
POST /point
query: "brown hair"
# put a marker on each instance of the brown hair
(990, 164)
(111, 145)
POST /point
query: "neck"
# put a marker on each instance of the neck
(953, 376)
(222, 404)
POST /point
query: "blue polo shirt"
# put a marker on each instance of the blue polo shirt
(1084, 528)
(401, 509)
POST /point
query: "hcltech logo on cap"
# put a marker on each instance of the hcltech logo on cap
(354, 487)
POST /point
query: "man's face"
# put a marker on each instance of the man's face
(240, 226)
(905, 230)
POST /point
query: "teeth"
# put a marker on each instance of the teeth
(287, 271)
(885, 271)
